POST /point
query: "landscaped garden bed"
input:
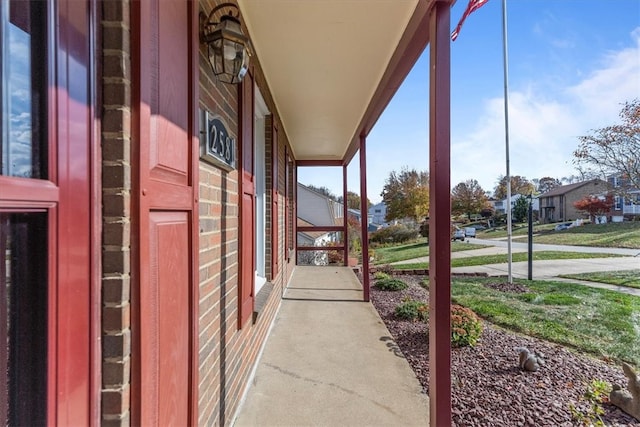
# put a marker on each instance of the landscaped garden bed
(488, 386)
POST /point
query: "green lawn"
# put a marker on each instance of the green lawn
(612, 235)
(630, 278)
(597, 321)
(515, 257)
(389, 254)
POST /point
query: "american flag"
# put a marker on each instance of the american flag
(471, 7)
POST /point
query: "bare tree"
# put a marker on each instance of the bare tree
(614, 150)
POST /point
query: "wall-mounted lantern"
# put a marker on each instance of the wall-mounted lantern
(227, 46)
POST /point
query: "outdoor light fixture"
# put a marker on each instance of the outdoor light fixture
(227, 46)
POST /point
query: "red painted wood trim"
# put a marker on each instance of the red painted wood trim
(18, 190)
(440, 217)
(364, 225)
(72, 373)
(411, 45)
(194, 303)
(246, 280)
(305, 163)
(345, 212)
(95, 87)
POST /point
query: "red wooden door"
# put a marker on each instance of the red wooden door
(166, 311)
(247, 204)
(47, 222)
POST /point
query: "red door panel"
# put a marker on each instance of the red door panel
(247, 207)
(166, 375)
(165, 348)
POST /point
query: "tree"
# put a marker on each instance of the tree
(324, 191)
(520, 209)
(467, 198)
(353, 200)
(594, 206)
(547, 184)
(406, 195)
(519, 185)
(614, 150)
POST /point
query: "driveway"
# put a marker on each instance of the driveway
(522, 247)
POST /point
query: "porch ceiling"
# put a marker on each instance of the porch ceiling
(333, 65)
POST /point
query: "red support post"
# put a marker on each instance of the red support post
(364, 223)
(345, 212)
(440, 216)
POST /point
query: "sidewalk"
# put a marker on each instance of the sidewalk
(330, 360)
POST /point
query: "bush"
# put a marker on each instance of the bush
(466, 327)
(380, 275)
(411, 309)
(393, 234)
(391, 284)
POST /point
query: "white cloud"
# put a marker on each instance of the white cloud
(544, 128)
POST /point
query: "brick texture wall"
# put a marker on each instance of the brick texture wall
(227, 355)
(116, 201)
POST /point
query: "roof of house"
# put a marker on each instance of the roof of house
(313, 235)
(564, 189)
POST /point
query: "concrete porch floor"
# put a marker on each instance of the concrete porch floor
(330, 361)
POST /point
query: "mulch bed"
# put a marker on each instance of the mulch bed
(488, 387)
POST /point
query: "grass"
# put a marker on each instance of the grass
(389, 254)
(596, 321)
(611, 235)
(630, 278)
(515, 257)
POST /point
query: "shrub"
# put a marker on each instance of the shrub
(380, 275)
(411, 309)
(466, 327)
(393, 234)
(391, 284)
(596, 393)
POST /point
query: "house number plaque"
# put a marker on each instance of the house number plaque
(217, 144)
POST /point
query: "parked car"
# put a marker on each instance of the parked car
(470, 231)
(564, 226)
(458, 234)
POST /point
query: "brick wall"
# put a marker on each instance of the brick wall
(227, 354)
(116, 201)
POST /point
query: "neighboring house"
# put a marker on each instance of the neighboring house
(377, 215)
(557, 204)
(626, 201)
(318, 209)
(500, 205)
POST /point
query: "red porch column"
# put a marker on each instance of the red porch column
(440, 216)
(345, 212)
(364, 217)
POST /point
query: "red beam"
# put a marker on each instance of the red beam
(345, 212)
(319, 162)
(364, 222)
(440, 216)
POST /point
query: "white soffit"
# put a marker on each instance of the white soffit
(323, 60)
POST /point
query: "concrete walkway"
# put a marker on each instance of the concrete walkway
(330, 361)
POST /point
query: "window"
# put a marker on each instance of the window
(260, 113)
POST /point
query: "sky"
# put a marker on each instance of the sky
(571, 66)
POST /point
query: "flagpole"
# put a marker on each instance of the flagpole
(506, 133)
